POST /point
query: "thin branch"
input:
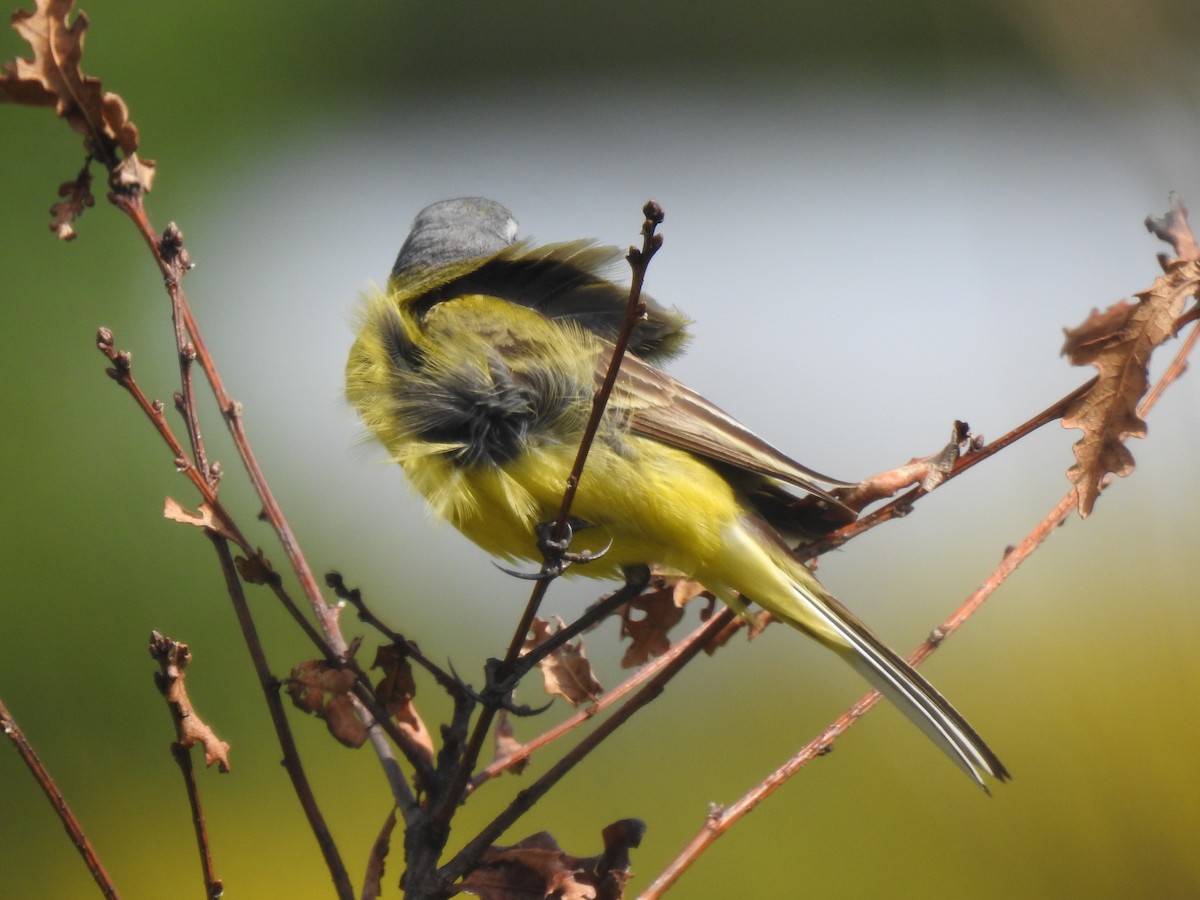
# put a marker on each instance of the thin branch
(411, 649)
(131, 204)
(720, 821)
(1178, 365)
(639, 261)
(287, 743)
(172, 656)
(587, 713)
(468, 857)
(259, 570)
(175, 257)
(74, 830)
(902, 505)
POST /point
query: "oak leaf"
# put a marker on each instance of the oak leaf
(77, 196)
(660, 610)
(538, 868)
(53, 78)
(1119, 342)
(317, 687)
(647, 620)
(566, 672)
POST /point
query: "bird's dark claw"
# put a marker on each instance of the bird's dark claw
(556, 553)
(527, 576)
(556, 557)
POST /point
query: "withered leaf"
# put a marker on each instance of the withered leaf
(1119, 342)
(535, 867)
(566, 672)
(397, 687)
(134, 172)
(506, 743)
(256, 569)
(204, 517)
(53, 78)
(648, 619)
(538, 868)
(926, 471)
(373, 878)
(396, 691)
(324, 690)
(173, 657)
(77, 196)
(1173, 228)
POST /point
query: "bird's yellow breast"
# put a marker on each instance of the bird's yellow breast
(653, 502)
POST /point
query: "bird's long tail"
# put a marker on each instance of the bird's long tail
(801, 601)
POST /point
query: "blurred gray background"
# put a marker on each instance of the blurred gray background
(880, 217)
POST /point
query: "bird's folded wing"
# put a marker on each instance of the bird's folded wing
(662, 408)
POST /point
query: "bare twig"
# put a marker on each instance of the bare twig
(257, 568)
(524, 801)
(74, 830)
(720, 821)
(639, 261)
(172, 657)
(283, 731)
(902, 505)
(587, 713)
(131, 203)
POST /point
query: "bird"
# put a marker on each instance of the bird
(475, 369)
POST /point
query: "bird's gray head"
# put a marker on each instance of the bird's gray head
(454, 230)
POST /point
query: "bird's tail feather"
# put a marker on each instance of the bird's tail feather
(912, 694)
(785, 587)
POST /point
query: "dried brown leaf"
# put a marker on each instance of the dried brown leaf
(566, 672)
(648, 619)
(926, 471)
(204, 517)
(134, 173)
(683, 589)
(373, 878)
(396, 691)
(53, 78)
(538, 868)
(173, 657)
(256, 569)
(755, 623)
(1173, 228)
(1119, 342)
(317, 687)
(77, 196)
(535, 867)
(201, 518)
(506, 743)
(397, 687)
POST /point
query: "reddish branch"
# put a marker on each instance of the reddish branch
(639, 261)
(111, 139)
(9, 726)
(720, 822)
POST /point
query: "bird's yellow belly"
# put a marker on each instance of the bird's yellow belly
(654, 503)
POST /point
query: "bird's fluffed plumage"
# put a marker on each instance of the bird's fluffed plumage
(476, 370)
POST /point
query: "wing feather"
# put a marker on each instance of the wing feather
(662, 408)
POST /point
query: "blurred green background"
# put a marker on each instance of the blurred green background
(890, 209)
